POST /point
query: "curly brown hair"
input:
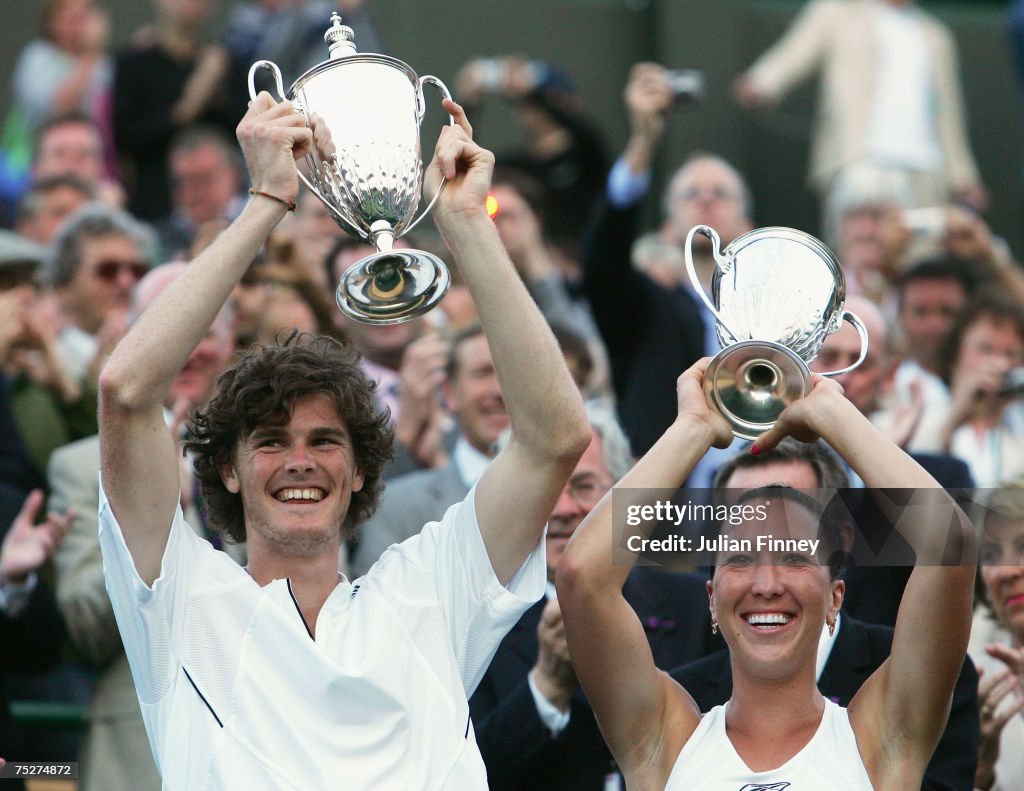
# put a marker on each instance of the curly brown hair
(263, 388)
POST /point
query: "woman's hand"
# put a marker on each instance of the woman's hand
(693, 405)
(999, 699)
(806, 418)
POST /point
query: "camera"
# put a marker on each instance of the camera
(929, 221)
(490, 73)
(687, 85)
(1012, 385)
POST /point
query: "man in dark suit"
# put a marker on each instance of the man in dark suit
(847, 658)
(856, 652)
(653, 323)
(534, 726)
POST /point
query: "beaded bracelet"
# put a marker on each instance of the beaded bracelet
(289, 203)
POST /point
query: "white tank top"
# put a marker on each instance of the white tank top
(709, 762)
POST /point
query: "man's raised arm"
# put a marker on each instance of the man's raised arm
(139, 468)
(549, 425)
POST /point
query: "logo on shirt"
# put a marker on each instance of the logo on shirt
(767, 786)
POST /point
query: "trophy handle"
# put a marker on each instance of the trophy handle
(270, 66)
(863, 332)
(704, 230)
(421, 107)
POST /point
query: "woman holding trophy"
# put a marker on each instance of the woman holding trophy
(777, 731)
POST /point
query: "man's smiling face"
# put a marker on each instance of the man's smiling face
(296, 480)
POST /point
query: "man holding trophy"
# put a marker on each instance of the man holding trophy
(281, 674)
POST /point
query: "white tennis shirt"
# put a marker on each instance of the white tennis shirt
(235, 694)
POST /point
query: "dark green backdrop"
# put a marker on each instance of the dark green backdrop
(599, 39)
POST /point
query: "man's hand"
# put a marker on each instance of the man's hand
(746, 93)
(974, 392)
(906, 416)
(553, 674)
(975, 196)
(12, 324)
(967, 236)
(26, 548)
(272, 136)
(694, 407)
(419, 421)
(649, 98)
(805, 419)
(464, 165)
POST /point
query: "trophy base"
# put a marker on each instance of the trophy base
(392, 287)
(751, 382)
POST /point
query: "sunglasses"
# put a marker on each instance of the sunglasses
(108, 271)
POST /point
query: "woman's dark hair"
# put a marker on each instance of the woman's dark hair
(987, 304)
(262, 389)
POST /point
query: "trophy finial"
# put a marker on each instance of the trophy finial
(340, 38)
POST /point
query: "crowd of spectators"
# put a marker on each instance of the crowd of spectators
(119, 165)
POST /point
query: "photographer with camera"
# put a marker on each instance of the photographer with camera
(982, 420)
(651, 322)
(561, 149)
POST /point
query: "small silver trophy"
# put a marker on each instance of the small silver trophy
(777, 293)
(365, 112)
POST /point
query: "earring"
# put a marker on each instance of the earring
(831, 627)
(714, 625)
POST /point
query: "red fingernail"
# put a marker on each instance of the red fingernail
(754, 450)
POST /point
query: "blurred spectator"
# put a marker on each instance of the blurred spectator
(276, 294)
(869, 237)
(116, 754)
(167, 80)
(873, 590)
(968, 237)
(206, 174)
(982, 419)
(656, 328)
(473, 396)
(19, 260)
(96, 259)
(407, 362)
(48, 202)
(889, 104)
(29, 621)
(291, 34)
(930, 296)
(65, 70)
(71, 144)
(562, 149)
(315, 232)
(49, 407)
(521, 221)
(577, 356)
(997, 636)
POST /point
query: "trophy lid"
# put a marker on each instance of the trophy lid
(340, 38)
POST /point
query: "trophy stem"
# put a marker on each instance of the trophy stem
(383, 236)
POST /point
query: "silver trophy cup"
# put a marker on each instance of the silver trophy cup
(365, 112)
(777, 292)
